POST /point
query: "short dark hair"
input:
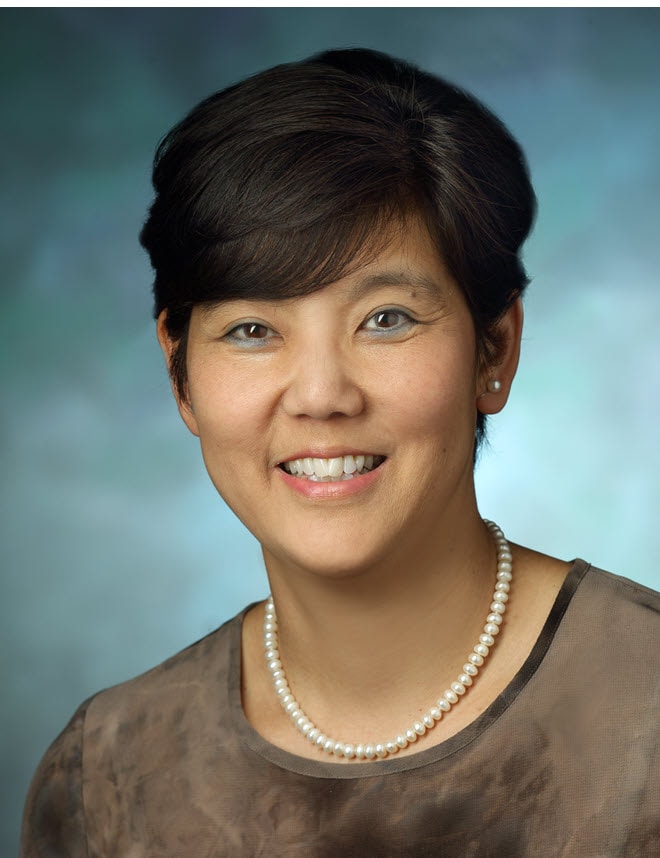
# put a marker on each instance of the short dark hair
(272, 187)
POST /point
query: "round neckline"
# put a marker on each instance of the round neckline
(347, 771)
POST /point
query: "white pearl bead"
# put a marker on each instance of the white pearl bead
(435, 713)
(494, 618)
(465, 679)
(291, 706)
(504, 576)
(443, 704)
(504, 566)
(339, 750)
(470, 669)
(419, 728)
(275, 664)
(401, 742)
(391, 747)
(475, 659)
(369, 752)
(497, 607)
(329, 746)
(359, 752)
(313, 734)
(491, 629)
(411, 736)
(487, 640)
(321, 740)
(481, 649)
(428, 721)
(381, 750)
(450, 696)
(349, 751)
(458, 688)
(502, 587)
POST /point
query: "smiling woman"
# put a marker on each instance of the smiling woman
(338, 298)
(370, 366)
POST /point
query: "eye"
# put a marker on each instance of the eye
(389, 319)
(250, 333)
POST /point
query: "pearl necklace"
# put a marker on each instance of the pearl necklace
(379, 750)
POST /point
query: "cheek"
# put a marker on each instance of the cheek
(228, 416)
(432, 392)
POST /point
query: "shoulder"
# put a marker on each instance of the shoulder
(592, 706)
(617, 608)
(119, 732)
(598, 660)
(53, 821)
(148, 717)
(603, 624)
(184, 677)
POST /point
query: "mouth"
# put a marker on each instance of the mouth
(332, 470)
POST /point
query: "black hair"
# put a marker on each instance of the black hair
(273, 187)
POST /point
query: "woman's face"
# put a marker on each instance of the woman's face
(339, 426)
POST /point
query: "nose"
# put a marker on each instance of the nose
(322, 384)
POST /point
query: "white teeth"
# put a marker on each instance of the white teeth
(336, 468)
(321, 467)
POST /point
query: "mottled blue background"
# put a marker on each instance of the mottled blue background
(116, 550)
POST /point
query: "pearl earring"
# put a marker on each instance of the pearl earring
(494, 385)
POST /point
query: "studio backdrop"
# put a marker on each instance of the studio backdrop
(116, 551)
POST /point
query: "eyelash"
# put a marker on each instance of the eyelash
(233, 334)
(406, 322)
(238, 334)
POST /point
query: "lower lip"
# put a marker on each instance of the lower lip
(331, 490)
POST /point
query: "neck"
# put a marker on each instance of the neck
(345, 642)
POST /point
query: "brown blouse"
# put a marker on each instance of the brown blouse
(563, 763)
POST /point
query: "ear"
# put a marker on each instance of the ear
(168, 347)
(491, 396)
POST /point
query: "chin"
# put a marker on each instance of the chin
(325, 560)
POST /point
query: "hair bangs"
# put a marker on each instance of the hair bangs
(283, 263)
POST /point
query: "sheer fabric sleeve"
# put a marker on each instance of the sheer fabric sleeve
(54, 817)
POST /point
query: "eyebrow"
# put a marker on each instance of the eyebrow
(362, 287)
(402, 277)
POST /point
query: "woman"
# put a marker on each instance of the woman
(338, 294)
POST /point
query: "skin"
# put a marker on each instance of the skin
(384, 361)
